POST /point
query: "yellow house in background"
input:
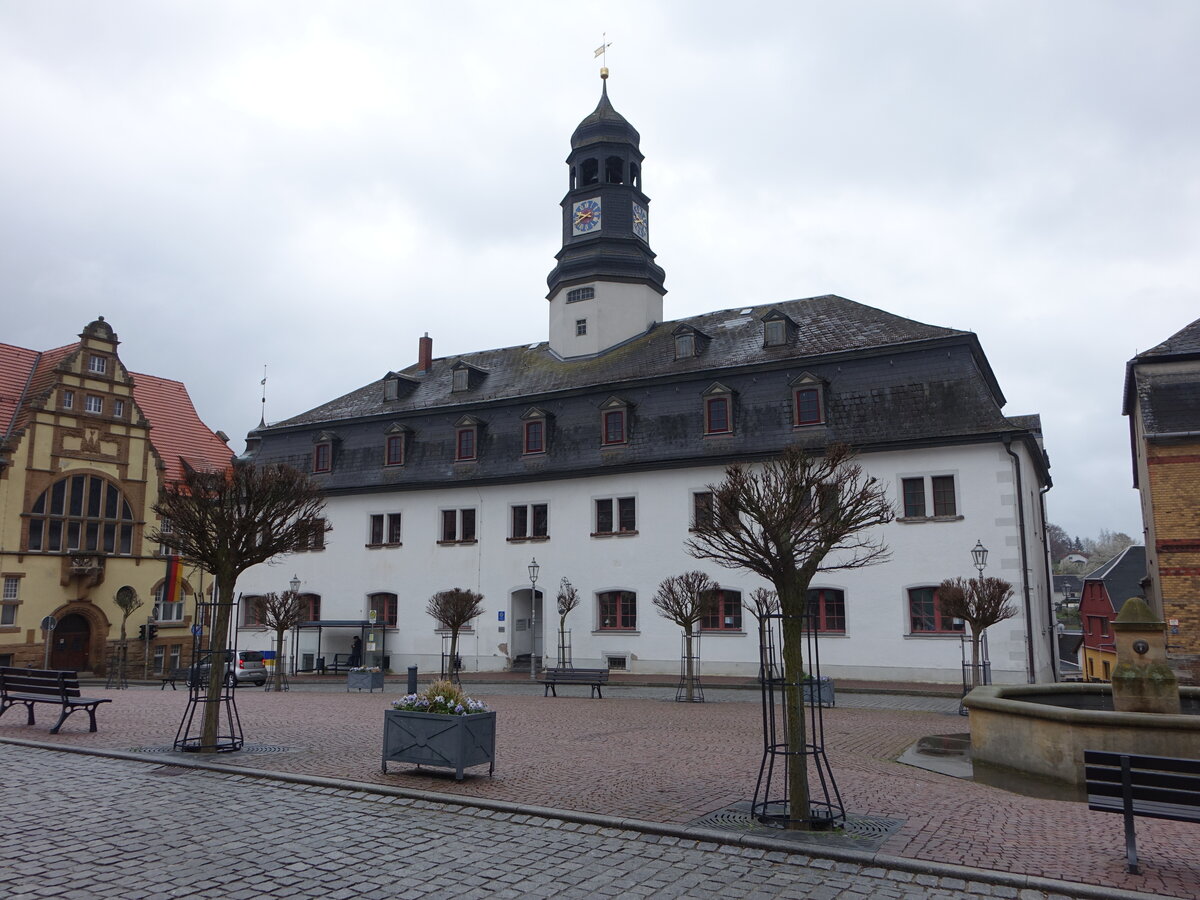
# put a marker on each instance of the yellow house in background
(85, 446)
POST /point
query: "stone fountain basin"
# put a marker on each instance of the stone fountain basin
(1043, 729)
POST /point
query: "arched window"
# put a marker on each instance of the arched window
(590, 172)
(83, 513)
(383, 605)
(170, 612)
(614, 170)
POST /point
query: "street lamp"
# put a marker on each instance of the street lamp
(533, 577)
(295, 584)
(979, 554)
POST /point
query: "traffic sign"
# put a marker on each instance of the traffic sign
(49, 623)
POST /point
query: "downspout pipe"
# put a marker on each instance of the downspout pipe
(1030, 672)
(1055, 662)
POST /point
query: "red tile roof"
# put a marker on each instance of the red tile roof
(16, 367)
(181, 439)
(178, 435)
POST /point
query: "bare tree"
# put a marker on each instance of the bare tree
(280, 613)
(981, 603)
(786, 520)
(128, 602)
(453, 610)
(568, 599)
(763, 603)
(226, 521)
(684, 599)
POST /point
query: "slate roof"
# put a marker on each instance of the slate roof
(888, 382)
(826, 326)
(1181, 347)
(604, 125)
(1186, 341)
(1122, 575)
(1169, 401)
(181, 439)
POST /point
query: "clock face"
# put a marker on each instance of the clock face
(585, 216)
(641, 222)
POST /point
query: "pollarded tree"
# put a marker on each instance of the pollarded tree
(128, 602)
(568, 599)
(684, 599)
(981, 603)
(226, 521)
(786, 520)
(280, 613)
(453, 610)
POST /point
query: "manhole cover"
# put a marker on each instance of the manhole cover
(860, 832)
(246, 748)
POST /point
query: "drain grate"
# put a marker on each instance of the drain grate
(246, 748)
(860, 832)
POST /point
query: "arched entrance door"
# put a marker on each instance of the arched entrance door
(70, 644)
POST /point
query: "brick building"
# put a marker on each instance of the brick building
(1162, 400)
(84, 447)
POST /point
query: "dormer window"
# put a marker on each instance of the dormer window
(322, 455)
(718, 410)
(462, 380)
(97, 365)
(466, 439)
(534, 427)
(777, 329)
(395, 445)
(614, 422)
(396, 386)
(391, 389)
(808, 401)
(465, 377)
(685, 345)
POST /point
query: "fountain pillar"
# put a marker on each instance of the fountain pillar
(1142, 680)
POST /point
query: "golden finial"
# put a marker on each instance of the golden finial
(602, 51)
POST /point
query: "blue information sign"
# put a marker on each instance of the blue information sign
(500, 616)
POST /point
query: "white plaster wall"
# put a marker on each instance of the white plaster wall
(876, 644)
(617, 313)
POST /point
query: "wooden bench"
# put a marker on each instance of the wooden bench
(33, 686)
(174, 675)
(593, 677)
(1155, 787)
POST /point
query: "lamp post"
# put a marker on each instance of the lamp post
(979, 555)
(294, 584)
(534, 568)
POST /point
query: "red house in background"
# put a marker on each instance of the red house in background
(1104, 593)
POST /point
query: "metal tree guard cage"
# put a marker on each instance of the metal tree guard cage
(190, 736)
(564, 648)
(772, 803)
(451, 668)
(690, 690)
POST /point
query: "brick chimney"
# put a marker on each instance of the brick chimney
(425, 353)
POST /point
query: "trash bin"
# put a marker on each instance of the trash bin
(321, 664)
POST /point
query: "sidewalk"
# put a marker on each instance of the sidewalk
(665, 762)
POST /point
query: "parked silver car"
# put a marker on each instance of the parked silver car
(242, 666)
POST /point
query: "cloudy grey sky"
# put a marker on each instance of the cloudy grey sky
(311, 186)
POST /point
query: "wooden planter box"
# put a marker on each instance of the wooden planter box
(429, 739)
(368, 681)
(818, 691)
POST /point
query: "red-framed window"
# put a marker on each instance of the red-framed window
(827, 610)
(808, 406)
(322, 459)
(253, 612)
(717, 419)
(464, 443)
(393, 452)
(613, 422)
(535, 436)
(385, 606)
(618, 611)
(723, 611)
(925, 613)
(310, 607)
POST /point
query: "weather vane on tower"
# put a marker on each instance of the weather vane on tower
(602, 52)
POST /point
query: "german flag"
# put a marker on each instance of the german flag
(173, 586)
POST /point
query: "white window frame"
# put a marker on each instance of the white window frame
(93, 403)
(98, 365)
(173, 614)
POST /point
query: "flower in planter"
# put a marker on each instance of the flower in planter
(365, 669)
(443, 698)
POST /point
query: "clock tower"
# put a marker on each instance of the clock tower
(606, 287)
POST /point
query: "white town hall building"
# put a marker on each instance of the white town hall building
(592, 450)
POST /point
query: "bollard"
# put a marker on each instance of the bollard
(412, 679)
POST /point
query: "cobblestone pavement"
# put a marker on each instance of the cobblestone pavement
(659, 761)
(116, 828)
